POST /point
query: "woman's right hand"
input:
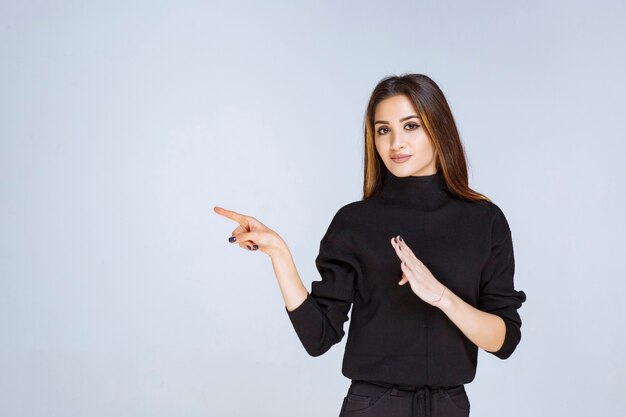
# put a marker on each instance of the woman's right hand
(251, 234)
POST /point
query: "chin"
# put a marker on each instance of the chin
(403, 171)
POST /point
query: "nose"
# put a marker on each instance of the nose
(397, 142)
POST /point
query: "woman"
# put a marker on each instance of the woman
(410, 349)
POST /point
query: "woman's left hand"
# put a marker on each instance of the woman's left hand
(422, 281)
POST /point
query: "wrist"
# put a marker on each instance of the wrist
(446, 301)
(279, 250)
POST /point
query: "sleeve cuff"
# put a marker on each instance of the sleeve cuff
(303, 312)
(511, 340)
(305, 320)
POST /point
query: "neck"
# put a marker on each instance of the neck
(424, 191)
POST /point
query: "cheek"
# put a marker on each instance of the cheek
(424, 144)
(380, 149)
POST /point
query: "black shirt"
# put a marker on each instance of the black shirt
(394, 336)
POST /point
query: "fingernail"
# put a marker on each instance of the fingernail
(255, 247)
(400, 237)
(394, 240)
(249, 247)
(232, 239)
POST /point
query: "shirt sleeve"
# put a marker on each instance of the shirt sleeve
(497, 289)
(319, 320)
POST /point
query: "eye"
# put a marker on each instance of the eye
(413, 127)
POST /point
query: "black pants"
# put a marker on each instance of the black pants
(368, 399)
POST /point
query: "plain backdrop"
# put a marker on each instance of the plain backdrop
(123, 123)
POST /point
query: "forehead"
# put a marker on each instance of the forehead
(393, 108)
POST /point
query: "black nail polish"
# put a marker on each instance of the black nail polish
(400, 237)
(255, 247)
(232, 239)
(249, 247)
(395, 240)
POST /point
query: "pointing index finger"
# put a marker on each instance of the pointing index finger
(233, 215)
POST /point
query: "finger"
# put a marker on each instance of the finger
(249, 240)
(407, 273)
(404, 280)
(396, 245)
(407, 269)
(233, 215)
(406, 250)
(247, 245)
(240, 235)
(250, 236)
(234, 233)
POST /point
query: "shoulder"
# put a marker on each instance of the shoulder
(489, 209)
(486, 217)
(348, 208)
(353, 216)
(344, 221)
(341, 220)
(498, 223)
(347, 212)
(338, 232)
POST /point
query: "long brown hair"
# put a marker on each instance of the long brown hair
(439, 124)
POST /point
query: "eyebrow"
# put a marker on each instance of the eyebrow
(401, 120)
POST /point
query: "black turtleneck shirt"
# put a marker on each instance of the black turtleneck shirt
(394, 336)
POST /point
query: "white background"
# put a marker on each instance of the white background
(123, 123)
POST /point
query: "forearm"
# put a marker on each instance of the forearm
(291, 287)
(485, 330)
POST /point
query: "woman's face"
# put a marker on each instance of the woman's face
(398, 131)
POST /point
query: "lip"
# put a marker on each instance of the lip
(400, 158)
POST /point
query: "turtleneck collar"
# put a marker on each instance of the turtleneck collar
(424, 191)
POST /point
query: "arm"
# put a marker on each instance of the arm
(486, 330)
(318, 317)
(497, 293)
(291, 287)
(495, 325)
